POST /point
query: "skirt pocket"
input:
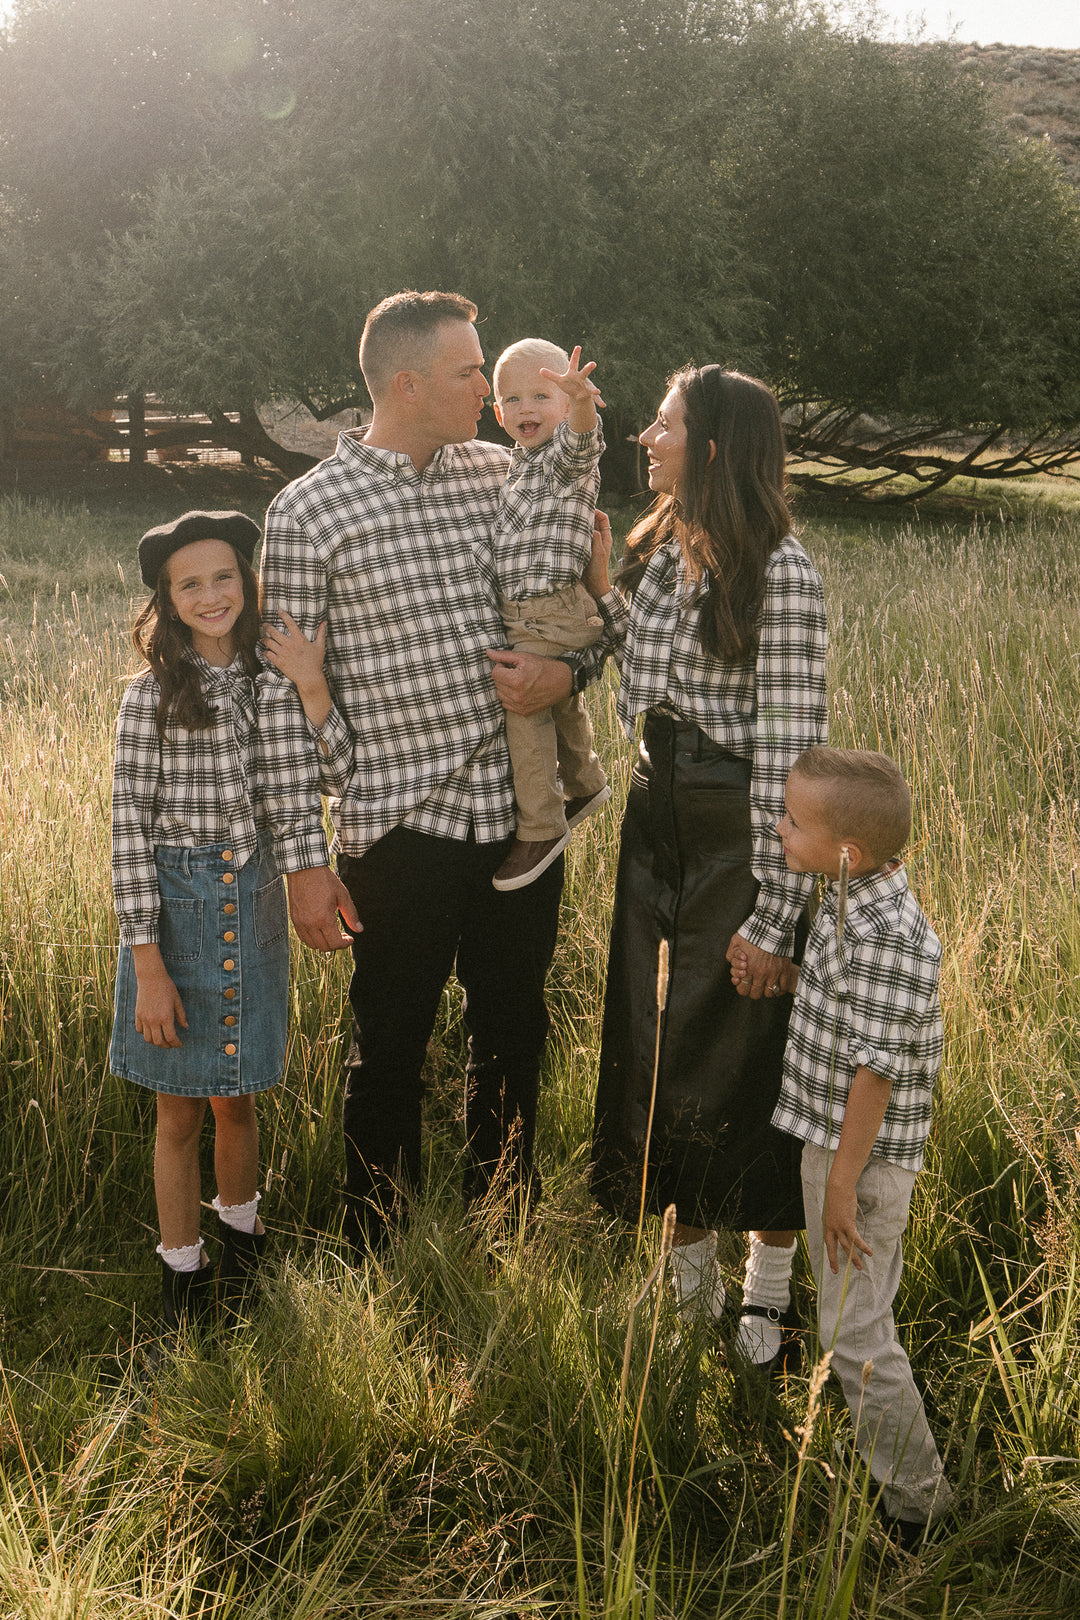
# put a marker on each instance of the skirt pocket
(271, 914)
(180, 929)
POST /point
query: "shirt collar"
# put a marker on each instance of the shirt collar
(215, 674)
(880, 885)
(394, 464)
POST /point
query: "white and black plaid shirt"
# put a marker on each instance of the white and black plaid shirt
(196, 787)
(869, 999)
(766, 711)
(400, 565)
(543, 533)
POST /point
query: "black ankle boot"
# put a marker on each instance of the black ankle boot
(241, 1256)
(185, 1296)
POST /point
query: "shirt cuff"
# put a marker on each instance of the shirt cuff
(333, 740)
(297, 852)
(769, 932)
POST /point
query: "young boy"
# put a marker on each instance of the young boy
(542, 545)
(864, 1049)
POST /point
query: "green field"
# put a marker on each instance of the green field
(486, 1427)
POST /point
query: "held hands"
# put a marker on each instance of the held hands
(317, 897)
(574, 382)
(756, 973)
(838, 1222)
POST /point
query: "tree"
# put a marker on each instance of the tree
(658, 179)
(457, 145)
(911, 261)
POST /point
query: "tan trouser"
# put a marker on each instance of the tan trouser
(557, 742)
(856, 1323)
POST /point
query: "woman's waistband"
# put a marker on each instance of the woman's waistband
(685, 737)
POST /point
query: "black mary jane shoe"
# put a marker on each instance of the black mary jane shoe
(241, 1257)
(185, 1297)
(787, 1357)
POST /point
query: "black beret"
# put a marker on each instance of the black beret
(157, 545)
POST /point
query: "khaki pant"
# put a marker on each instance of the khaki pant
(557, 742)
(855, 1322)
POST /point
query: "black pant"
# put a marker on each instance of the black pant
(426, 904)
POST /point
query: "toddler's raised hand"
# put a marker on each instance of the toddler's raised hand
(575, 380)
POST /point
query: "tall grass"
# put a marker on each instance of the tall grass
(491, 1425)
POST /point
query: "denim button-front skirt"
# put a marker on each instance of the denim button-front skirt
(224, 937)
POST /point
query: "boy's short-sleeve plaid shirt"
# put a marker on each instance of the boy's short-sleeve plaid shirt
(869, 999)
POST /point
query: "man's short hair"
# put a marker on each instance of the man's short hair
(401, 334)
(536, 349)
(862, 795)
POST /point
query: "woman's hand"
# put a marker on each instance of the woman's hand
(756, 973)
(595, 578)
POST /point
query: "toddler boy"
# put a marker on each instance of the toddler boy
(864, 1049)
(542, 545)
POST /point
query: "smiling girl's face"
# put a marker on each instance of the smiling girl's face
(206, 592)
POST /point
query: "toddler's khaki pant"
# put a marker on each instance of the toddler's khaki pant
(558, 742)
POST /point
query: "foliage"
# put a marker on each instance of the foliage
(222, 190)
(911, 261)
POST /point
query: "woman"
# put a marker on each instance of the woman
(724, 653)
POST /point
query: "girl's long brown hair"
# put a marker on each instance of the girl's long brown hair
(164, 642)
(729, 513)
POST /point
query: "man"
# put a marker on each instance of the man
(388, 542)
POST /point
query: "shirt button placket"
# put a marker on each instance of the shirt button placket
(229, 967)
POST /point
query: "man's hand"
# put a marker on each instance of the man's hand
(756, 973)
(316, 896)
(526, 683)
(838, 1222)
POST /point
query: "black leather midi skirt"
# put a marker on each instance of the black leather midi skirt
(684, 875)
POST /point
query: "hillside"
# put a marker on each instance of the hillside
(1039, 93)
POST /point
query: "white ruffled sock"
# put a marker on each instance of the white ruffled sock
(188, 1258)
(768, 1286)
(241, 1217)
(695, 1272)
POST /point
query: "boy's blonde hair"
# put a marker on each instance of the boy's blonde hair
(863, 796)
(538, 349)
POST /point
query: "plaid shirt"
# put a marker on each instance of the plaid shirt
(400, 565)
(870, 999)
(543, 533)
(767, 711)
(196, 788)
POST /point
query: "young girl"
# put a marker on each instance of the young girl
(202, 983)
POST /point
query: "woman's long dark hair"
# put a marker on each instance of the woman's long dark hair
(164, 642)
(729, 512)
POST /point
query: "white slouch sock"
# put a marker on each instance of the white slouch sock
(188, 1258)
(767, 1285)
(695, 1272)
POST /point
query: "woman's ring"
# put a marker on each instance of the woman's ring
(774, 988)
